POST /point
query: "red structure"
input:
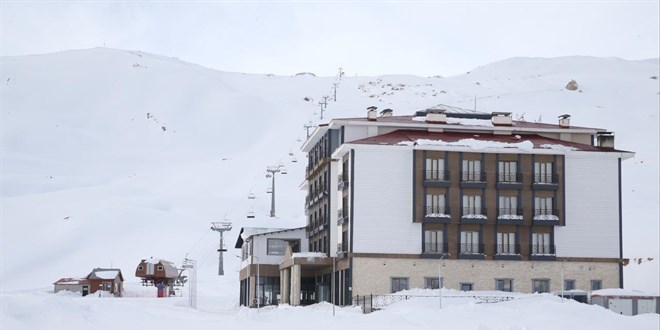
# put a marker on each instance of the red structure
(160, 273)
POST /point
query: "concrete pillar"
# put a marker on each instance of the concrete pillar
(295, 285)
(285, 286)
(252, 291)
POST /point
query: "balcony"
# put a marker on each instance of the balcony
(437, 214)
(546, 217)
(434, 250)
(507, 252)
(471, 179)
(342, 250)
(438, 179)
(510, 216)
(342, 181)
(545, 182)
(509, 180)
(474, 215)
(542, 252)
(342, 217)
(471, 251)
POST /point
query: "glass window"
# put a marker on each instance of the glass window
(466, 286)
(276, 247)
(471, 204)
(435, 205)
(569, 284)
(433, 240)
(596, 284)
(506, 243)
(470, 242)
(543, 206)
(471, 170)
(399, 283)
(435, 169)
(507, 171)
(541, 243)
(504, 284)
(432, 283)
(508, 205)
(543, 172)
(540, 285)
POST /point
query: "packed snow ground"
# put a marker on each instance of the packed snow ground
(112, 156)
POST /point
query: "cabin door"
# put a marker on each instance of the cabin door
(85, 290)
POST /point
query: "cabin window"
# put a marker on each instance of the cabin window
(160, 268)
(140, 268)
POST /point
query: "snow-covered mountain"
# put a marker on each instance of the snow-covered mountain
(110, 156)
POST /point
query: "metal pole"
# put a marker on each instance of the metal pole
(221, 270)
(562, 282)
(333, 285)
(272, 197)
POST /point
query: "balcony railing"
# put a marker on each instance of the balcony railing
(510, 213)
(546, 178)
(437, 175)
(471, 248)
(437, 212)
(470, 176)
(546, 215)
(507, 249)
(544, 250)
(474, 212)
(509, 177)
(435, 248)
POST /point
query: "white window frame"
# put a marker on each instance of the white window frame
(471, 204)
(507, 171)
(435, 203)
(506, 243)
(433, 241)
(471, 170)
(508, 205)
(543, 205)
(470, 242)
(543, 172)
(541, 243)
(435, 169)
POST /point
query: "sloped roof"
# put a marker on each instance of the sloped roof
(105, 274)
(169, 267)
(419, 137)
(71, 281)
(246, 232)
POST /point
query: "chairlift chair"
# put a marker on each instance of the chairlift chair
(250, 215)
(294, 160)
(283, 170)
(269, 190)
(251, 196)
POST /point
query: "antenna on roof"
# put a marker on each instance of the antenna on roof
(475, 102)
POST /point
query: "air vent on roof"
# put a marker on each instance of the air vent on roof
(386, 113)
(501, 118)
(605, 139)
(565, 121)
(371, 113)
(436, 116)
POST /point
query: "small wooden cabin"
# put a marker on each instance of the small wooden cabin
(106, 279)
(72, 284)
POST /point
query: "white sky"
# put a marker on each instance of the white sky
(365, 38)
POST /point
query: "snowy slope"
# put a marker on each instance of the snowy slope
(110, 156)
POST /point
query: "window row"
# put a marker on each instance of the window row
(501, 284)
(472, 206)
(472, 170)
(470, 243)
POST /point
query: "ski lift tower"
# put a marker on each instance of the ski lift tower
(221, 227)
(272, 170)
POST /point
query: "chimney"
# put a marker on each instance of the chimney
(501, 118)
(605, 140)
(386, 113)
(436, 116)
(565, 121)
(371, 113)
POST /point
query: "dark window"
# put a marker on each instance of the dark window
(466, 286)
(431, 283)
(504, 284)
(540, 285)
(596, 284)
(276, 247)
(399, 283)
(569, 284)
(160, 268)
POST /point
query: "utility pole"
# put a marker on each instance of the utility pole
(192, 289)
(308, 126)
(272, 170)
(335, 84)
(440, 284)
(221, 227)
(323, 105)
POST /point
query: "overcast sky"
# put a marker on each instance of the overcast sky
(365, 38)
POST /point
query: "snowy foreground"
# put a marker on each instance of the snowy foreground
(41, 309)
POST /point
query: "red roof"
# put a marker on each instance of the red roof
(396, 137)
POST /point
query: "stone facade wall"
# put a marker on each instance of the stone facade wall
(373, 275)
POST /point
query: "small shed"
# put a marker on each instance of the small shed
(106, 279)
(575, 294)
(72, 284)
(626, 302)
(159, 273)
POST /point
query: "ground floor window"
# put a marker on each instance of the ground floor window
(466, 286)
(504, 284)
(540, 285)
(432, 283)
(569, 284)
(268, 290)
(399, 283)
(596, 285)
